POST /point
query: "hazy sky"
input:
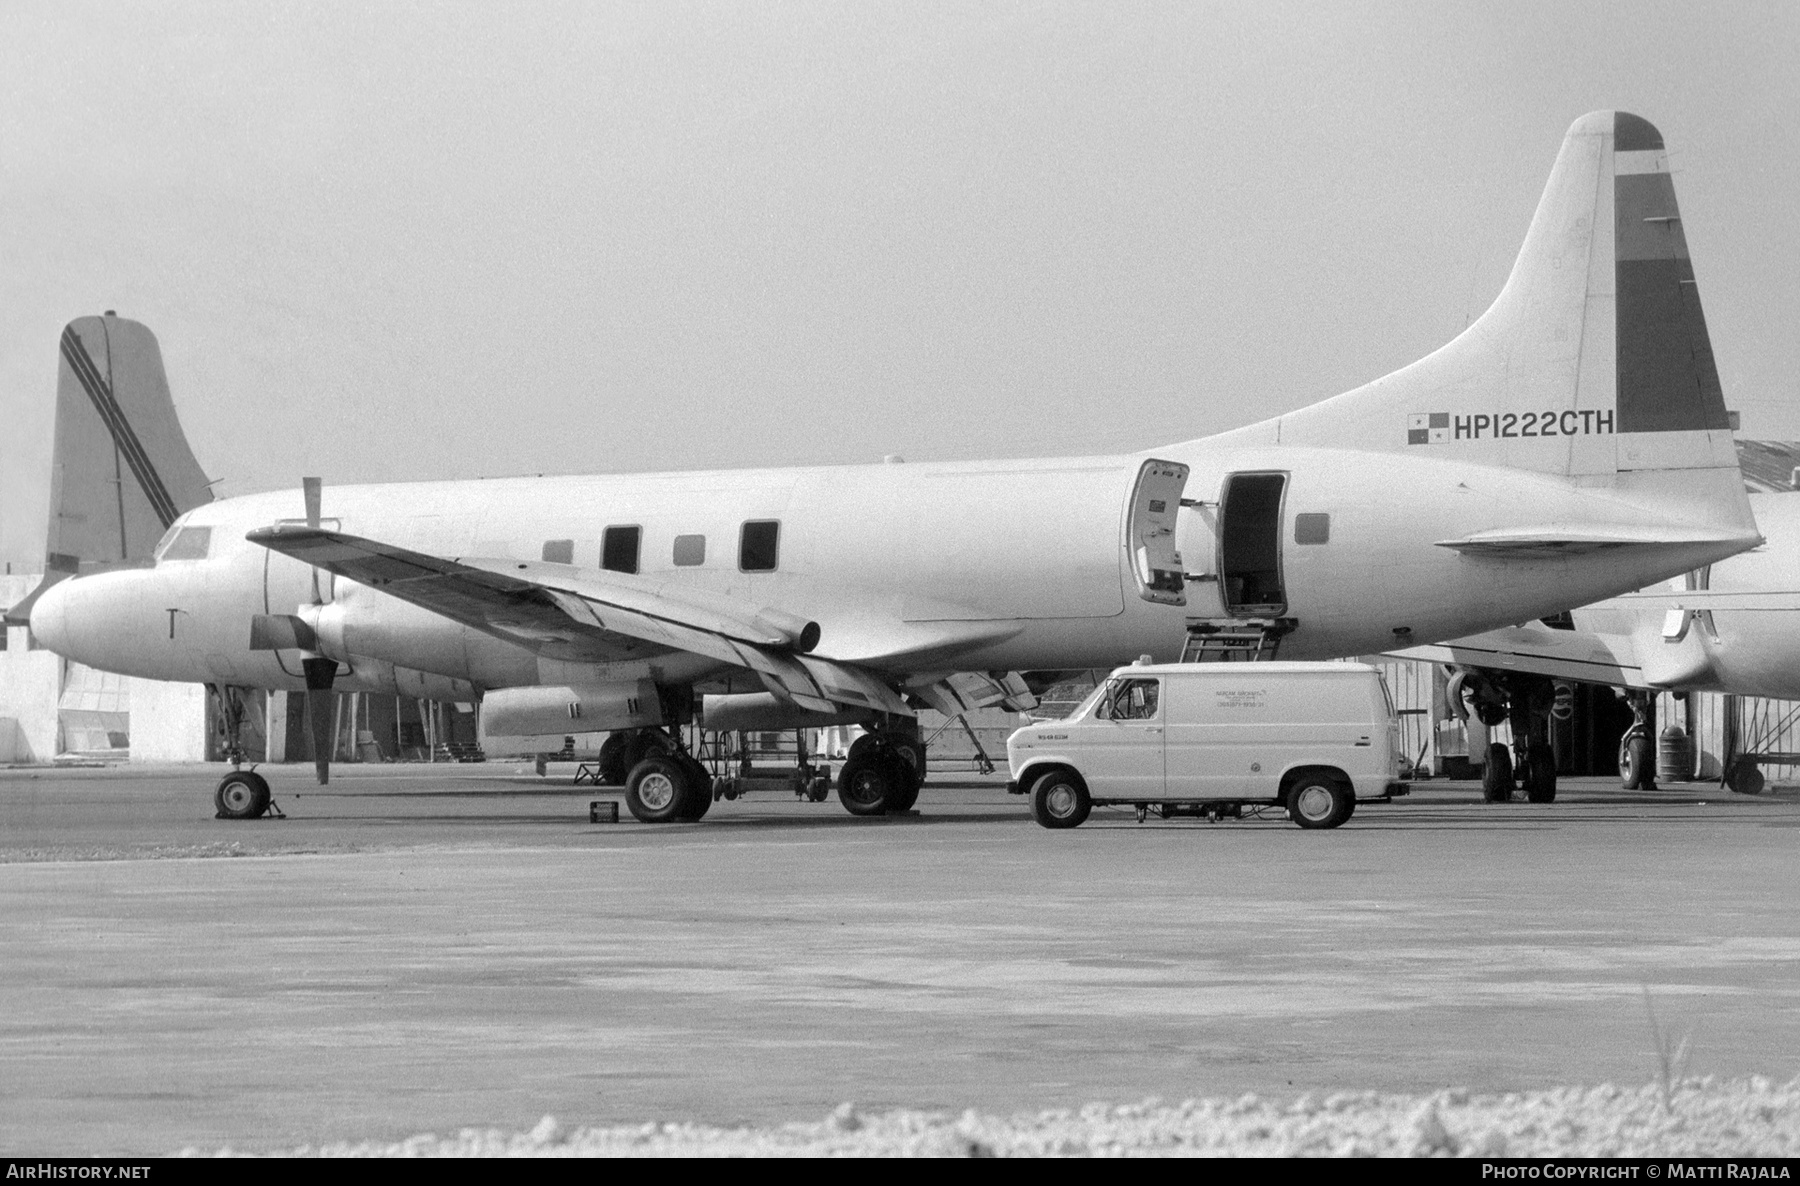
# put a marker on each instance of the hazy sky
(391, 241)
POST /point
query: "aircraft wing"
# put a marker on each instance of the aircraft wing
(1561, 654)
(575, 613)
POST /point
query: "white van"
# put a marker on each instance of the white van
(1212, 738)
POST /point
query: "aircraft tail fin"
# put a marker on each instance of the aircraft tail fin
(1594, 359)
(122, 470)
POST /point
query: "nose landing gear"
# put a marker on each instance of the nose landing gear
(241, 794)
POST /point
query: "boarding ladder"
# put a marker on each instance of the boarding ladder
(1234, 640)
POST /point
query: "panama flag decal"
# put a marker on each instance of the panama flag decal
(1427, 428)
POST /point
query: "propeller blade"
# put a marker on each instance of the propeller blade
(311, 487)
(319, 676)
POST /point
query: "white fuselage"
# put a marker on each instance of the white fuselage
(972, 566)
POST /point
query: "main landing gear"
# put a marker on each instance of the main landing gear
(666, 784)
(882, 774)
(241, 794)
(1528, 702)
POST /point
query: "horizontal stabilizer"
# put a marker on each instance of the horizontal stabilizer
(1554, 540)
(1766, 600)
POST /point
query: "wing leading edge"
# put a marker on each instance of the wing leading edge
(571, 613)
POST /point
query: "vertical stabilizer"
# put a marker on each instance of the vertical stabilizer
(122, 470)
(1593, 360)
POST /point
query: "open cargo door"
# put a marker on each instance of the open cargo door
(1150, 531)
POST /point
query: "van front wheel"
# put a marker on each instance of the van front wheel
(1319, 802)
(1060, 799)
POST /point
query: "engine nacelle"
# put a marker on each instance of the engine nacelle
(592, 708)
(364, 621)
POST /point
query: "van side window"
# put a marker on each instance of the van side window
(690, 550)
(559, 551)
(758, 546)
(619, 548)
(1135, 700)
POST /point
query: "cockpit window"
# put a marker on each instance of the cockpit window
(190, 543)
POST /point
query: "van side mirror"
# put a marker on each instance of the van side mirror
(1137, 697)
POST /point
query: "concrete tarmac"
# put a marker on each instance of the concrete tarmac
(426, 948)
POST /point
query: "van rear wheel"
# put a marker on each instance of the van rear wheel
(1315, 801)
(1060, 799)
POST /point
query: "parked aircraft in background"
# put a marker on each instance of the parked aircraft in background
(1572, 444)
(114, 418)
(1730, 627)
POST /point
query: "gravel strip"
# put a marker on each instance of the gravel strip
(1694, 1118)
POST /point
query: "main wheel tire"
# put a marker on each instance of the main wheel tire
(1637, 769)
(1497, 775)
(1315, 801)
(1745, 777)
(903, 744)
(1540, 777)
(906, 794)
(868, 781)
(1059, 799)
(615, 765)
(912, 751)
(242, 794)
(656, 790)
(699, 789)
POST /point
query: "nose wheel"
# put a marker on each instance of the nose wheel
(242, 794)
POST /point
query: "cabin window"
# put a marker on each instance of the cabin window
(1312, 529)
(758, 545)
(619, 549)
(690, 550)
(190, 543)
(559, 551)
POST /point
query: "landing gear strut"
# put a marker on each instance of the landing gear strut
(242, 794)
(1637, 752)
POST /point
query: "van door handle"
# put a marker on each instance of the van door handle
(1154, 729)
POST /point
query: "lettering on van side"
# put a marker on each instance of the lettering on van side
(1243, 698)
(1436, 428)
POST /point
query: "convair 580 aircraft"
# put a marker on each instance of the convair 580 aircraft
(1572, 444)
